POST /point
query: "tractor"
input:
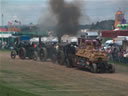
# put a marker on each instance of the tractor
(91, 56)
(65, 54)
(87, 54)
(24, 49)
(45, 51)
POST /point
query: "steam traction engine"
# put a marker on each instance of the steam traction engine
(34, 50)
(23, 49)
(45, 51)
(91, 56)
(65, 54)
(86, 55)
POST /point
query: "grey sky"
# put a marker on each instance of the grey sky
(28, 11)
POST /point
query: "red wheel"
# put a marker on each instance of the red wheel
(22, 53)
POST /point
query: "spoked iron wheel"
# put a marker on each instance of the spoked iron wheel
(35, 56)
(60, 57)
(43, 54)
(22, 53)
(13, 54)
(53, 58)
(94, 68)
(68, 63)
(111, 68)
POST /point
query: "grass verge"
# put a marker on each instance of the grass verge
(5, 50)
(119, 63)
(8, 91)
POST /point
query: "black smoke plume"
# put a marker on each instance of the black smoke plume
(68, 15)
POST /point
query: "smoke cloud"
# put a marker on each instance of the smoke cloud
(64, 16)
(67, 15)
(46, 21)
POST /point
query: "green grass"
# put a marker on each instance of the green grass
(30, 86)
(9, 91)
(5, 50)
(25, 83)
(119, 63)
(7, 71)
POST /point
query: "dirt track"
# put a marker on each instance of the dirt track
(121, 74)
(121, 71)
(78, 80)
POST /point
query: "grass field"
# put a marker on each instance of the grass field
(10, 91)
(119, 63)
(5, 50)
(34, 78)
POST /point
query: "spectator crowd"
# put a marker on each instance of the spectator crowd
(117, 54)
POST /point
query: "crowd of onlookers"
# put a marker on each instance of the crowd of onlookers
(3, 45)
(117, 53)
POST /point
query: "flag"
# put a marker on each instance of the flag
(13, 21)
(9, 23)
(16, 21)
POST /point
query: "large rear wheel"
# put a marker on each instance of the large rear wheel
(60, 57)
(53, 58)
(94, 68)
(68, 62)
(13, 54)
(35, 56)
(22, 53)
(111, 68)
(43, 54)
